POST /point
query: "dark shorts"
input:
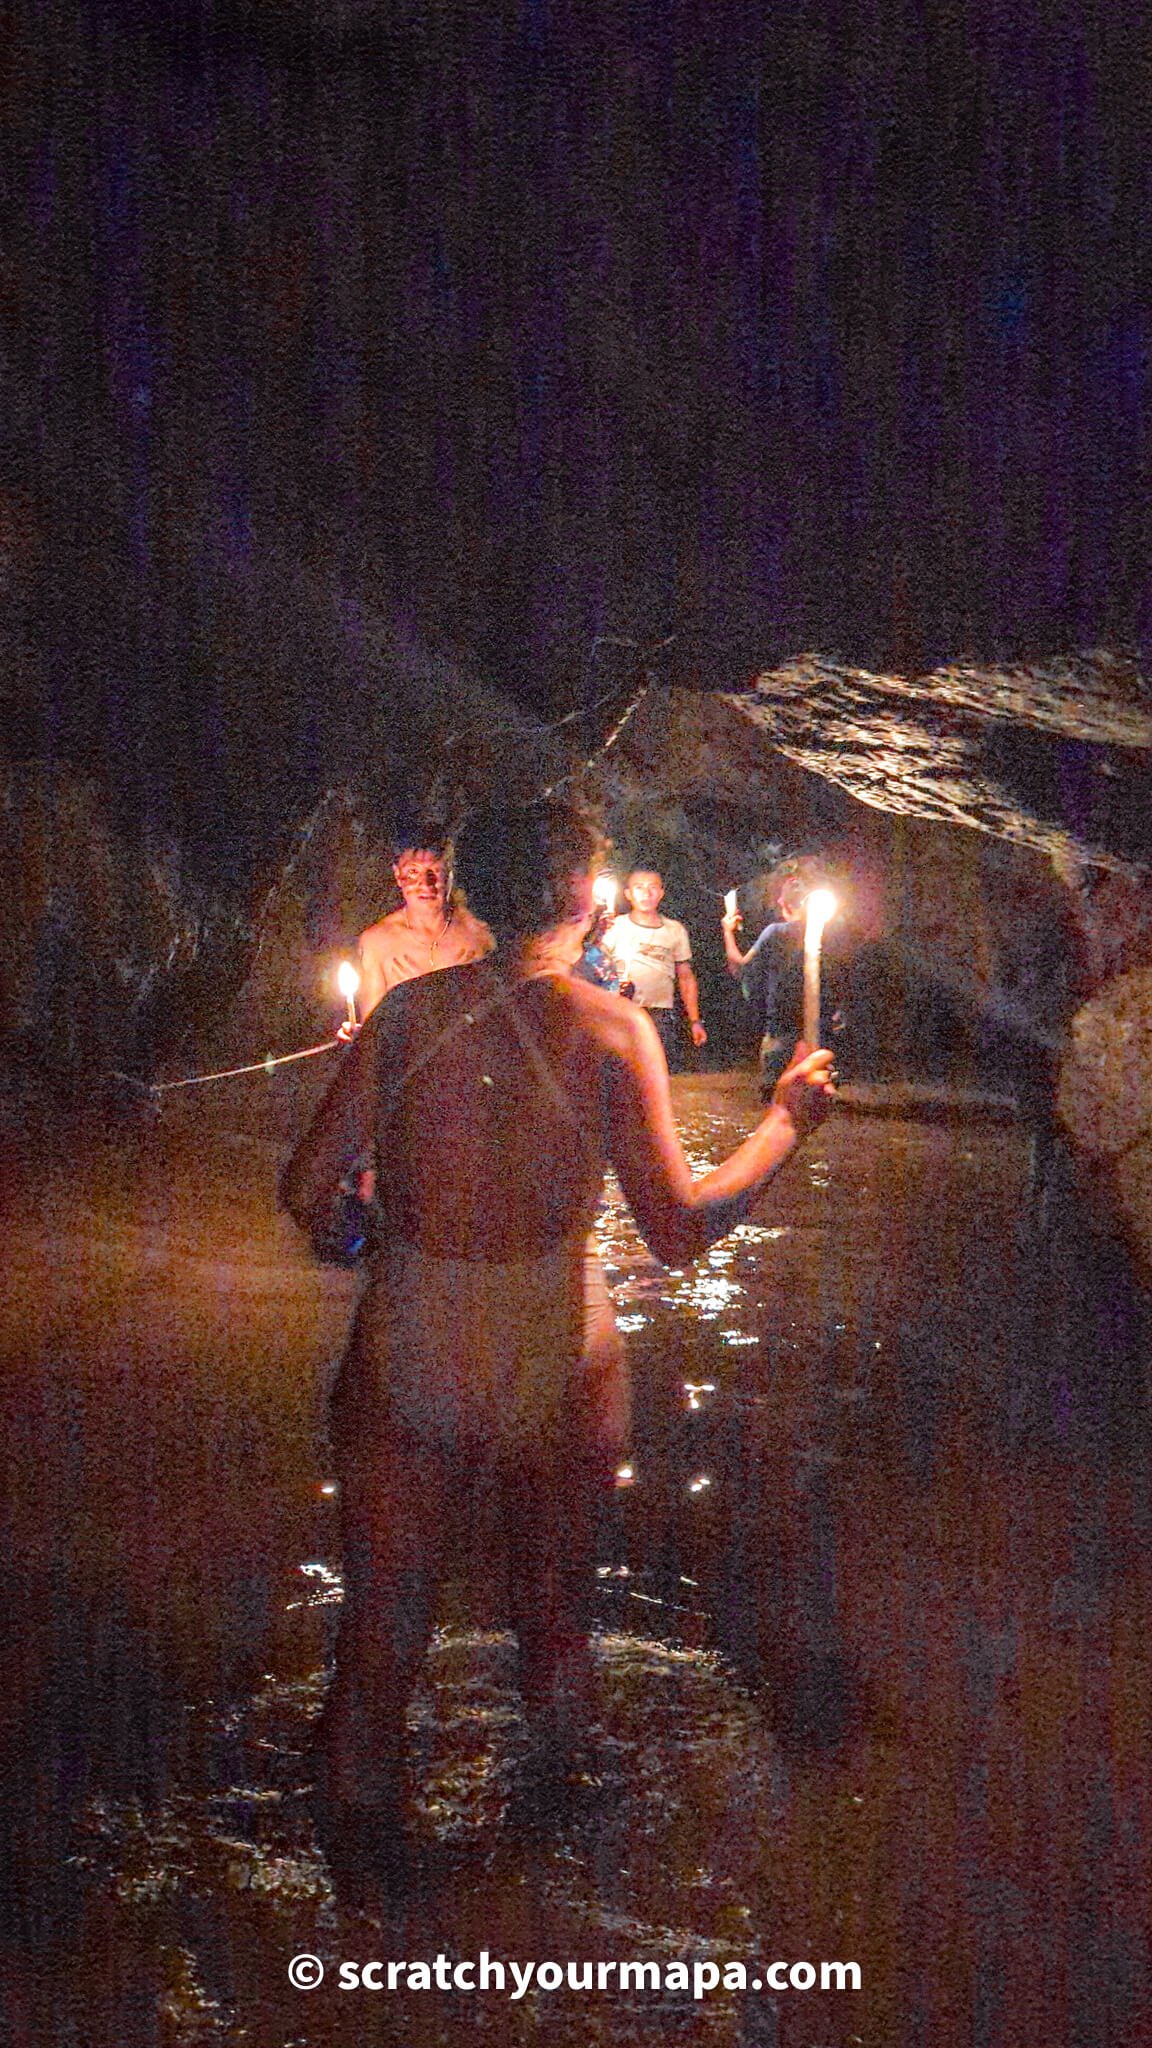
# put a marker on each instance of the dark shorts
(668, 1025)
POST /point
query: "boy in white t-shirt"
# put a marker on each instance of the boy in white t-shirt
(654, 953)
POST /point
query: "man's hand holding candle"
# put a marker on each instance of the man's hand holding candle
(348, 981)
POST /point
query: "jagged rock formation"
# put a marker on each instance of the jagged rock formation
(941, 746)
(984, 929)
(1105, 1098)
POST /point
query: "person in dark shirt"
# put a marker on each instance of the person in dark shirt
(771, 972)
(596, 963)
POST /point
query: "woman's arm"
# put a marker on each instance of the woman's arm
(680, 1217)
(337, 1136)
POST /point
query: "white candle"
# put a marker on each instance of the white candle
(729, 902)
(348, 981)
(604, 890)
(820, 906)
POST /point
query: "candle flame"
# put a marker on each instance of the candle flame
(604, 890)
(347, 980)
(819, 907)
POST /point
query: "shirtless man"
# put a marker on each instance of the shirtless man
(427, 932)
(499, 1092)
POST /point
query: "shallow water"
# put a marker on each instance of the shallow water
(874, 1661)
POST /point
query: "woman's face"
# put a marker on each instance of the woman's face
(563, 940)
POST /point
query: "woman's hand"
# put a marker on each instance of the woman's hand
(805, 1090)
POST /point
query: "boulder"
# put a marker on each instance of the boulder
(1105, 1100)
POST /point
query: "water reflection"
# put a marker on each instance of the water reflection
(650, 1865)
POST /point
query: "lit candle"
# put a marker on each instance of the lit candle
(730, 903)
(348, 981)
(604, 890)
(821, 905)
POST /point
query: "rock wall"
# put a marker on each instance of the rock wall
(89, 926)
(970, 954)
(967, 949)
(1105, 1100)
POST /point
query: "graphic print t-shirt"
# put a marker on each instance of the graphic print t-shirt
(647, 954)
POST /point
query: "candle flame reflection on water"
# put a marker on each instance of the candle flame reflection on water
(694, 1389)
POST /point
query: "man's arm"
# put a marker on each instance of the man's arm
(372, 982)
(680, 1217)
(336, 1138)
(479, 934)
(689, 988)
(369, 993)
(736, 960)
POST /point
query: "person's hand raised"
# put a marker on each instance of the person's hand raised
(805, 1089)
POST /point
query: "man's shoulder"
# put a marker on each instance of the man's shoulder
(383, 933)
(779, 933)
(473, 929)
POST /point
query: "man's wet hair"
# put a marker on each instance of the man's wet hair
(410, 836)
(516, 863)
